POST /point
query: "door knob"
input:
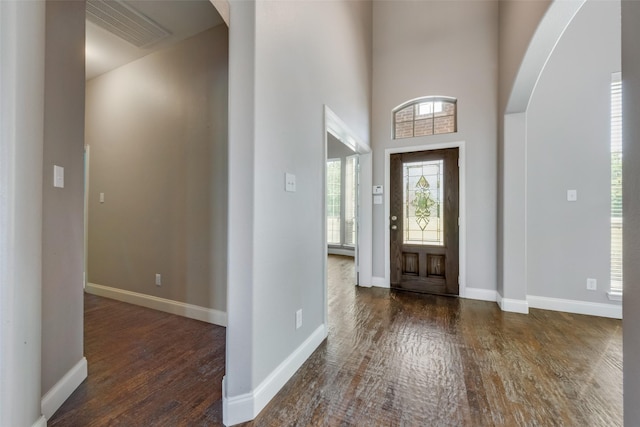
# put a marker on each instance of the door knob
(393, 218)
(394, 227)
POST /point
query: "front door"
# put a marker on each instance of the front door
(424, 221)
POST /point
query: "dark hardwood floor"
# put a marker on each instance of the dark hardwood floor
(146, 368)
(391, 359)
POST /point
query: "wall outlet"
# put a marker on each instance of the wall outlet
(158, 279)
(592, 284)
(299, 319)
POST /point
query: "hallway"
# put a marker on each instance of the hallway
(392, 358)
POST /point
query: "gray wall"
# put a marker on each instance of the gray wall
(336, 149)
(631, 203)
(283, 69)
(442, 48)
(62, 225)
(157, 129)
(22, 49)
(326, 33)
(518, 22)
(568, 125)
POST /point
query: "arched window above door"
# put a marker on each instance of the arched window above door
(430, 115)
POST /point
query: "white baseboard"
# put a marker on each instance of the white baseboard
(41, 422)
(341, 251)
(379, 282)
(613, 311)
(61, 391)
(191, 311)
(245, 407)
(480, 294)
(512, 305)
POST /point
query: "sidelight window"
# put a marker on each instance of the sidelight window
(334, 175)
(616, 184)
(350, 200)
(342, 201)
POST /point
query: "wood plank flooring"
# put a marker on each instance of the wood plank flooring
(146, 368)
(391, 359)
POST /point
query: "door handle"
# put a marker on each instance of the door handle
(394, 227)
(393, 218)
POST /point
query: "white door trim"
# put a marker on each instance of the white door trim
(334, 125)
(87, 159)
(462, 255)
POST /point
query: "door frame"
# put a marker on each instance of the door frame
(87, 159)
(462, 229)
(334, 125)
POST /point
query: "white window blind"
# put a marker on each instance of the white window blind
(350, 200)
(334, 172)
(616, 183)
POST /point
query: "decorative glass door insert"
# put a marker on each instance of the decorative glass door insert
(423, 219)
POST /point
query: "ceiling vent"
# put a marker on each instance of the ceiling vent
(125, 22)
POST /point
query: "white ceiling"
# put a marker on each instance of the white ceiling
(183, 18)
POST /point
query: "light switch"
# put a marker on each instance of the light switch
(377, 189)
(101, 197)
(572, 195)
(289, 182)
(377, 200)
(58, 176)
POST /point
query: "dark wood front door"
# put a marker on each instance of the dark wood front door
(424, 221)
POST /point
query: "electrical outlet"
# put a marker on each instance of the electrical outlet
(592, 284)
(158, 279)
(299, 319)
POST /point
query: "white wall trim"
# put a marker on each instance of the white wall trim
(61, 391)
(462, 230)
(342, 251)
(614, 296)
(379, 282)
(512, 305)
(245, 407)
(41, 422)
(480, 294)
(613, 311)
(191, 311)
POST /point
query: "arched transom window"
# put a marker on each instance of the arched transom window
(431, 115)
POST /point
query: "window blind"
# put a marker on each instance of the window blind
(616, 183)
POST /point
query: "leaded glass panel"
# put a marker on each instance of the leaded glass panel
(423, 198)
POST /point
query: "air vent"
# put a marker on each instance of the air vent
(125, 22)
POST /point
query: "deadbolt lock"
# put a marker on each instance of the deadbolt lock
(393, 218)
